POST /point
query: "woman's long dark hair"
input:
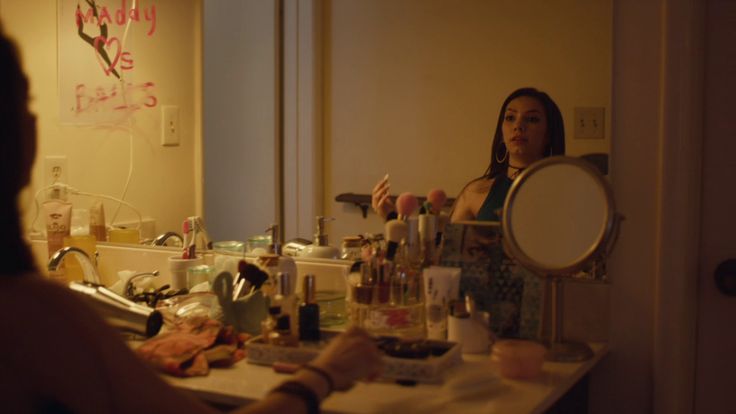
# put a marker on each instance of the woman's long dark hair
(15, 254)
(555, 131)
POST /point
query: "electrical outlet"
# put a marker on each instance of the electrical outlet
(56, 170)
(169, 125)
(590, 122)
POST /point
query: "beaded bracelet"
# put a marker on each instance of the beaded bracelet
(322, 373)
(301, 391)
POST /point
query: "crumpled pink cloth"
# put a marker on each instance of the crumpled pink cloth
(192, 346)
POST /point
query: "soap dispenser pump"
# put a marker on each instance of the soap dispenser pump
(274, 245)
(321, 248)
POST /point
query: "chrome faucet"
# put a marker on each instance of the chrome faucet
(88, 266)
(163, 238)
(129, 290)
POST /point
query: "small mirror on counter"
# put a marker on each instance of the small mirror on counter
(558, 218)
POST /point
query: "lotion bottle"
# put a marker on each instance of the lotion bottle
(321, 248)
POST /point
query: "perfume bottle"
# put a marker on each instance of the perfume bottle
(285, 298)
(281, 335)
(269, 324)
(309, 311)
(394, 306)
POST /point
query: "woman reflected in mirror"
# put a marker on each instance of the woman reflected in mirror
(529, 128)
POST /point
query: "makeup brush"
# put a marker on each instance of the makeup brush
(442, 220)
(239, 282)
(436, 199)
(396, 230)
(427, 227)
(406, 204)
(250, 278)
(254, 275)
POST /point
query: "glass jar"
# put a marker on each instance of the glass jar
(351, 248)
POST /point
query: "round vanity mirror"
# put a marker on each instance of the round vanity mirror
(558, 217)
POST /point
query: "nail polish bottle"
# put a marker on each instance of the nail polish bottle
(309, 312)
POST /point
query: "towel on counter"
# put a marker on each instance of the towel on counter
(193, 346)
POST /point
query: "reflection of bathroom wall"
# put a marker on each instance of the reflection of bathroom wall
(240, 116)
(163, 184)
(413, 88)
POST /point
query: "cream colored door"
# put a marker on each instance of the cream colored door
(716, 344)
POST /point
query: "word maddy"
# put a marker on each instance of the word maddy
(117, 16)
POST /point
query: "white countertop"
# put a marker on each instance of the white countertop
(474, 386)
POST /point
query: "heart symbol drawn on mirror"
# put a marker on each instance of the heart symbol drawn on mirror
(104, 61)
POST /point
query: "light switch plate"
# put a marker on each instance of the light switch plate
(56, 170)
(590, 122)
(169, 125)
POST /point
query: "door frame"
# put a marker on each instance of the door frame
(681, 153)
(302, 117)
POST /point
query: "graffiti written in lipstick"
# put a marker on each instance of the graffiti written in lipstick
(119, 16)
(129, 98)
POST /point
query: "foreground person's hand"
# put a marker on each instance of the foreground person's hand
(349, 357)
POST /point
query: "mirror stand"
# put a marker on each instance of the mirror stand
(559, 350)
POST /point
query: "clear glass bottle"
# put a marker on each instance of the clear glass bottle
(269, 324)
(285, 296)
(270, 264)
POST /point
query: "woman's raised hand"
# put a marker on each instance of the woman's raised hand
(380, 200)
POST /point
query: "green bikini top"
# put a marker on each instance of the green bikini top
(495, 199)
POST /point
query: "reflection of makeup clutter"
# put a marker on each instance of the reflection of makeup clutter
(417, 283)
(81, 228)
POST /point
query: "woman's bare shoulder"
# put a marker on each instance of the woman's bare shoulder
(479, 185)
(470, 199)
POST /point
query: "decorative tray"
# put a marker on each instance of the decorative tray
(406, 360)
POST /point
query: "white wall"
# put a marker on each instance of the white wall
(163, 184)
(413, 88)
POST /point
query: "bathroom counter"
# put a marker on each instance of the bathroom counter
(474, 386)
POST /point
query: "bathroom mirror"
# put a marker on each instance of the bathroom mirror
(400, 82)
(410, 88)
(559, 216)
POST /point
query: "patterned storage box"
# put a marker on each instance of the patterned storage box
(511, 294)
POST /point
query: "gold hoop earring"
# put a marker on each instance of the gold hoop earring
(505, 154)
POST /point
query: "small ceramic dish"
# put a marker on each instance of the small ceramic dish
(519, 359)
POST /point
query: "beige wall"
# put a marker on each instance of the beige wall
(413, 88)
(163, 183)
